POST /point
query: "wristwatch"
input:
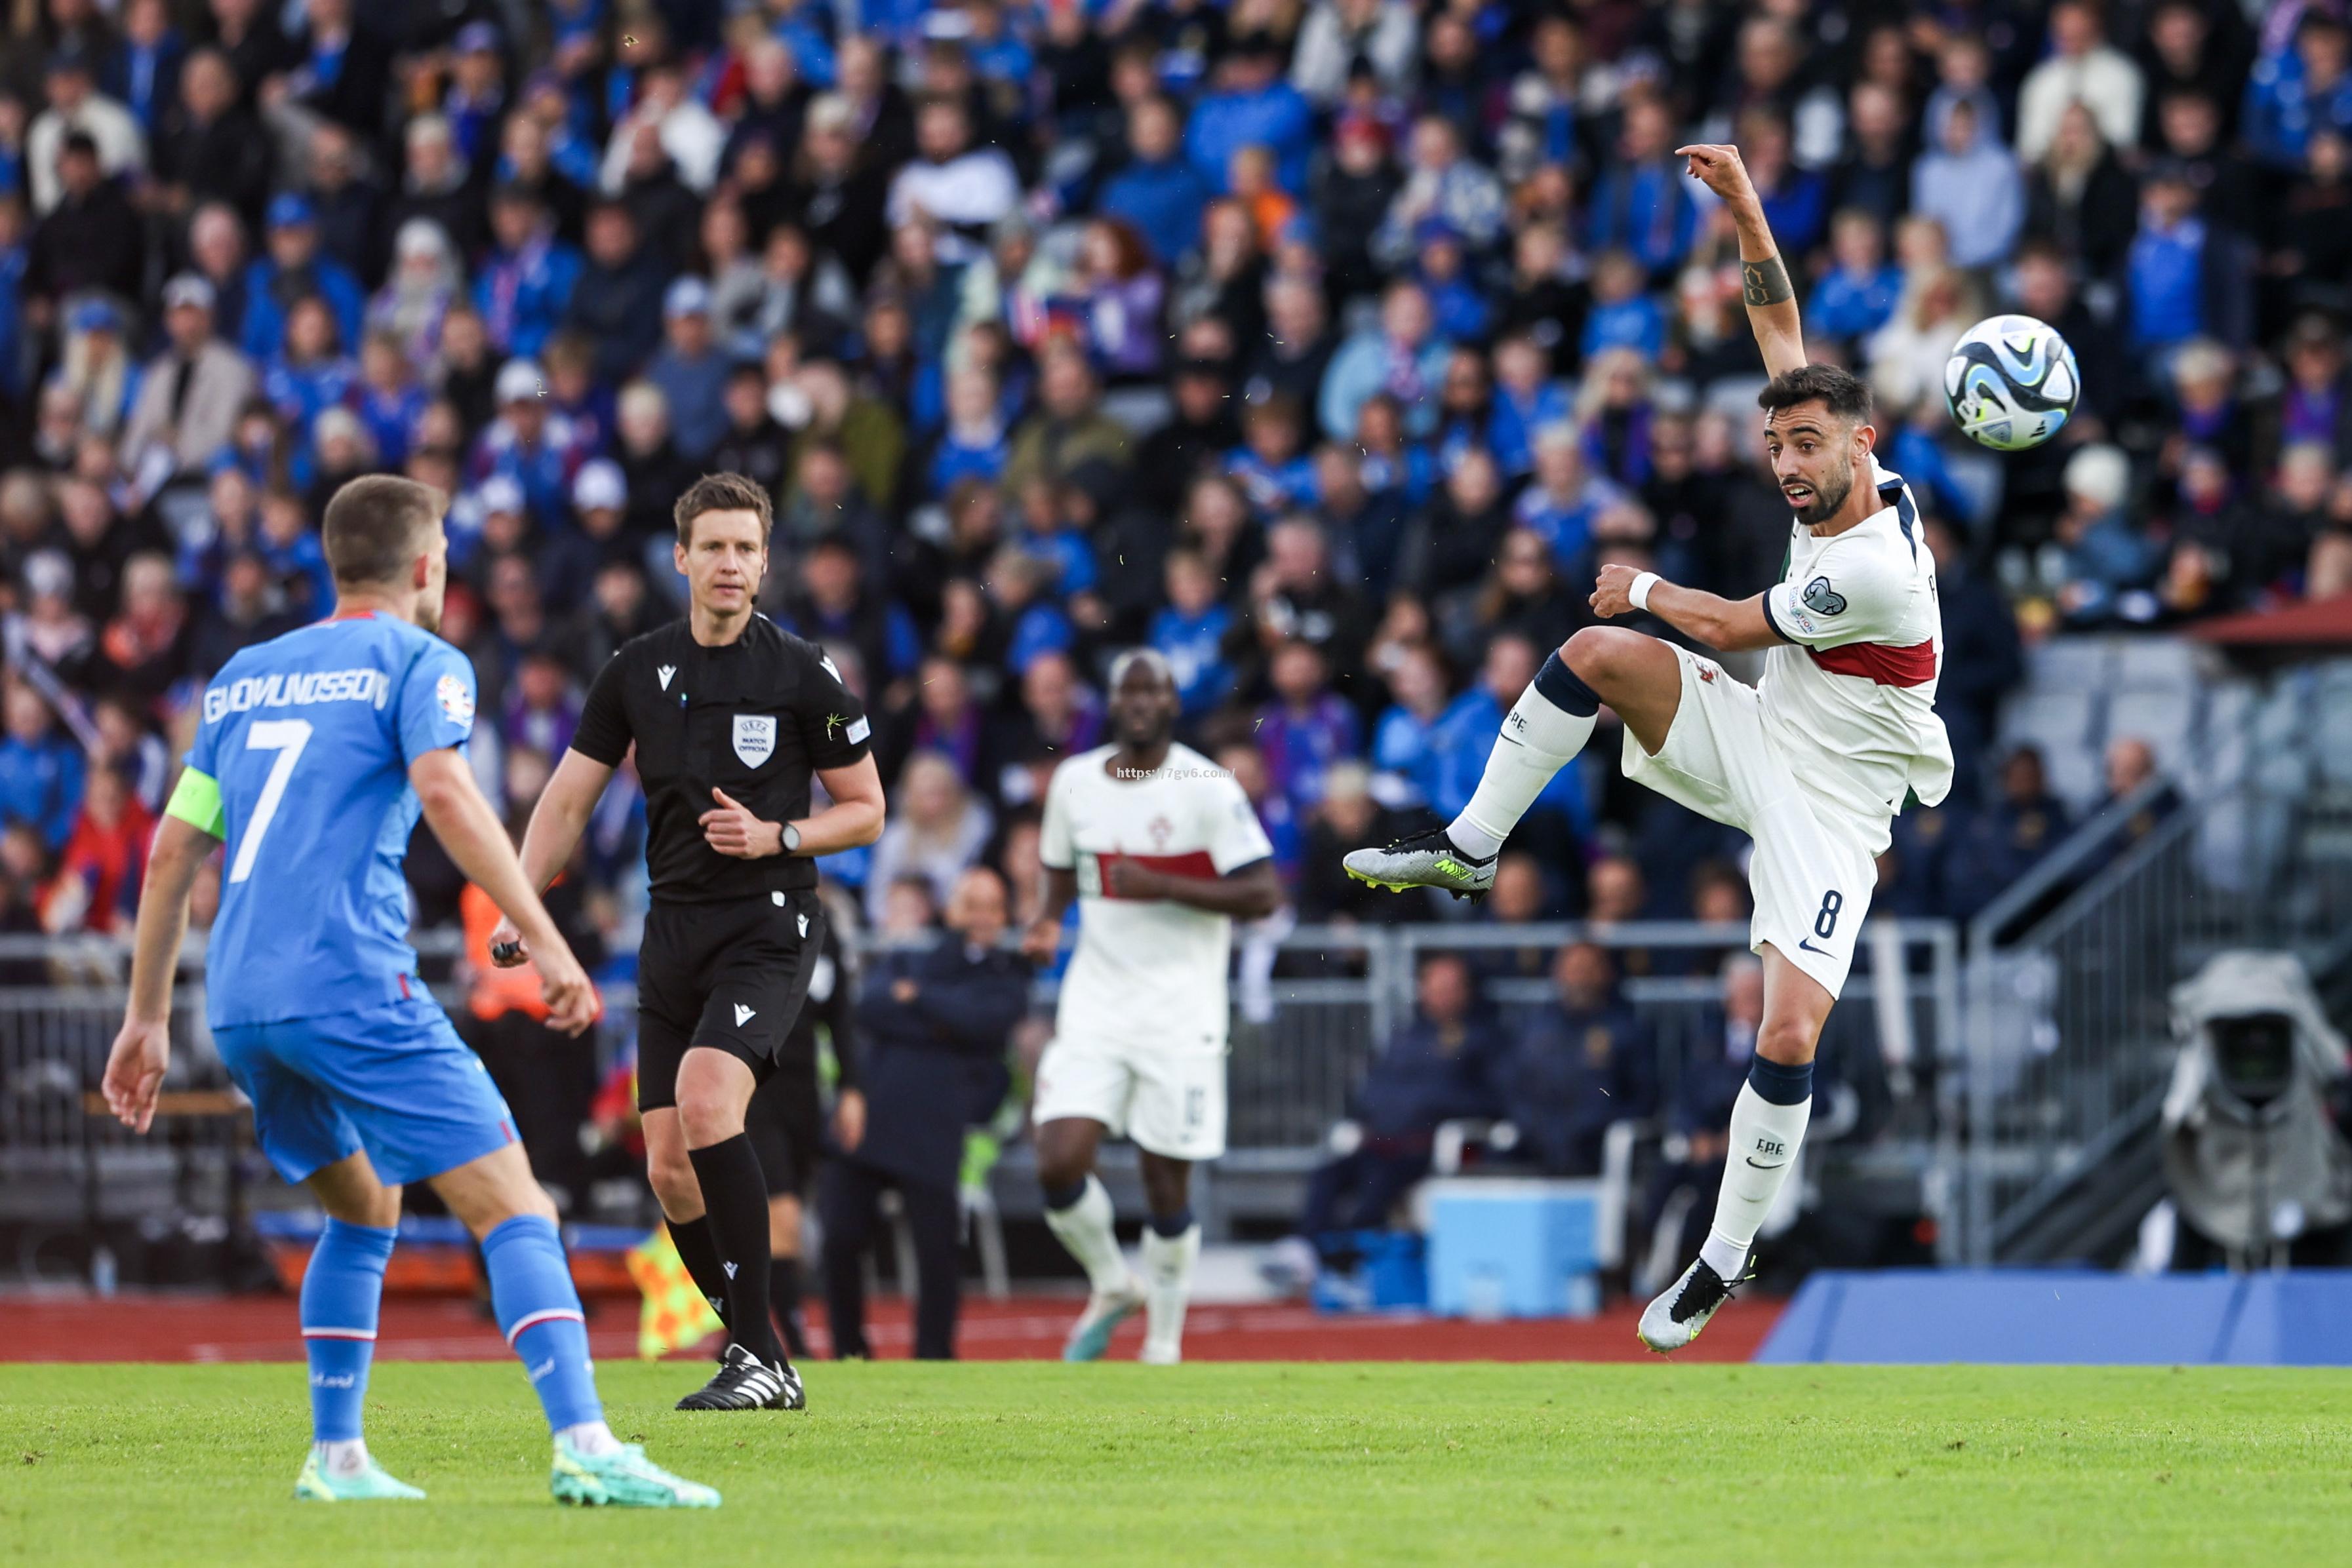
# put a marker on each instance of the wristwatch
(792, 839)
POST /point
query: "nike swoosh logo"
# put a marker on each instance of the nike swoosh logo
(1760, 1166)
(1808, 948)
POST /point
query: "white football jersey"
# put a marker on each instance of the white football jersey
(1146, 970)
(1851, 694)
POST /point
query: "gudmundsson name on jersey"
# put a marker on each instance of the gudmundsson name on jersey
(297, 690)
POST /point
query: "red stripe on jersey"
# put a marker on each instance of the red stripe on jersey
(1195, 863)
(1889, 666)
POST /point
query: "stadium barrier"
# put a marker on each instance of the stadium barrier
(1313, 1004)
(2069, 1039)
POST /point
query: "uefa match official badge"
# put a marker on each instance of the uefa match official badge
(755, 737)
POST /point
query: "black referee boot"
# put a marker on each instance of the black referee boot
(744, 1381)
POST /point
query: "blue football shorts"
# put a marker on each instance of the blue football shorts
(392, 1079)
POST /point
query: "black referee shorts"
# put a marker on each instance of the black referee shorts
(731, 976)
(786, 1124)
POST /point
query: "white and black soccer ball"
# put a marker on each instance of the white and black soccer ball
(2011, 382)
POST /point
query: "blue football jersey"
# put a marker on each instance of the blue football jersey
(309, 736)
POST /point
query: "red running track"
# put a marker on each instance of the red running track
(178, 1328)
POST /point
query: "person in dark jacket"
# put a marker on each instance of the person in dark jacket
(1437, 1069)
(2005, 840)
(91, 239)
(616, 305)
(1984, 660)
(935, 1025)
(1577, 1067)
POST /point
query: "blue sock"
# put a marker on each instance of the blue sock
(1565, 689)
(342, 1290)
(1172, 1226)
(1780, 1084)
(539, 1311)
(1061, 1198)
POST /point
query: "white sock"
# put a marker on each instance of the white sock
(1084, 1229)
(344, 1457)
(1760, 1130)
(591, 1438)
(1167, 1286)
(1539, 739)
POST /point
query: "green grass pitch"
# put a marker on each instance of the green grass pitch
(1221, 1464)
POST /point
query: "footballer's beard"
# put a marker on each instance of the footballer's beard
(1828, 496)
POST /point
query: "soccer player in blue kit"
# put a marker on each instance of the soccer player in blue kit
(316, 753)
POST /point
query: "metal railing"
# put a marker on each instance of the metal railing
(2069, 1037)
(1312, 1008)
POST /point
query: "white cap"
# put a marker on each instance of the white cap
(188, 288)
(518, 382)
(2101, 474)
(688, 296)
(501, 493)
(599, 486)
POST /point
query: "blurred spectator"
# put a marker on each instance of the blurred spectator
(1969, 183)
(41, 771)
(934, 1025)
(1983, 659)
(939, 829)
(188, 395)
(2083, 68)
(2107, 560)
(1157, 190)
(1437, 1068)
(294, 270)
(2002, 841)
(2079, 197)
(1576, 1066)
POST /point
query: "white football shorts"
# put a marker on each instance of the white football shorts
(1170, 1100)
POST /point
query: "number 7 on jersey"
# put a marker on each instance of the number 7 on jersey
(286, 736)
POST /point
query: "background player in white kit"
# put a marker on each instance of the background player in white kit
(1812, 764)
(1163, 851)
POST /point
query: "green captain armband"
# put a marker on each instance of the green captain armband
(196, 801)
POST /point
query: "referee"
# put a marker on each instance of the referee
(729, 717)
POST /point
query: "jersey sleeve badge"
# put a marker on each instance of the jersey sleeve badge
(1822, 600)
(456, 701)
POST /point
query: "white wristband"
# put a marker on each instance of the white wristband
(1639, 594)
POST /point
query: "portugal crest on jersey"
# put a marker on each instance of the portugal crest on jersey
(755, 737)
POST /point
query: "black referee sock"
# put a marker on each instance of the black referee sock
(699, 1253)
(735, 1208)
(784, 1292)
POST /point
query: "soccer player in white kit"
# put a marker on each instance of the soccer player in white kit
(1812, 764)
(1163, 852)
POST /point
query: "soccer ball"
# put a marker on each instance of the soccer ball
(2010, 382)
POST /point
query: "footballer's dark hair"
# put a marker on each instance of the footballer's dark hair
(724, 492)
(376, 527)
(1842, 391)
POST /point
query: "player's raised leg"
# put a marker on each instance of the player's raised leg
(1636, 676)
(539, 1311)
(1171, 1245)
(343, 1289)
(1767, 1126)
(1078, 1211)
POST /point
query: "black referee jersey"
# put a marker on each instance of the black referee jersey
(755, 717)
(730, 946)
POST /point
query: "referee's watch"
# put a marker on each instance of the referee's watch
(790, 837)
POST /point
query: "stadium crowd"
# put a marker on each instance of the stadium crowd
(1326, 345)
